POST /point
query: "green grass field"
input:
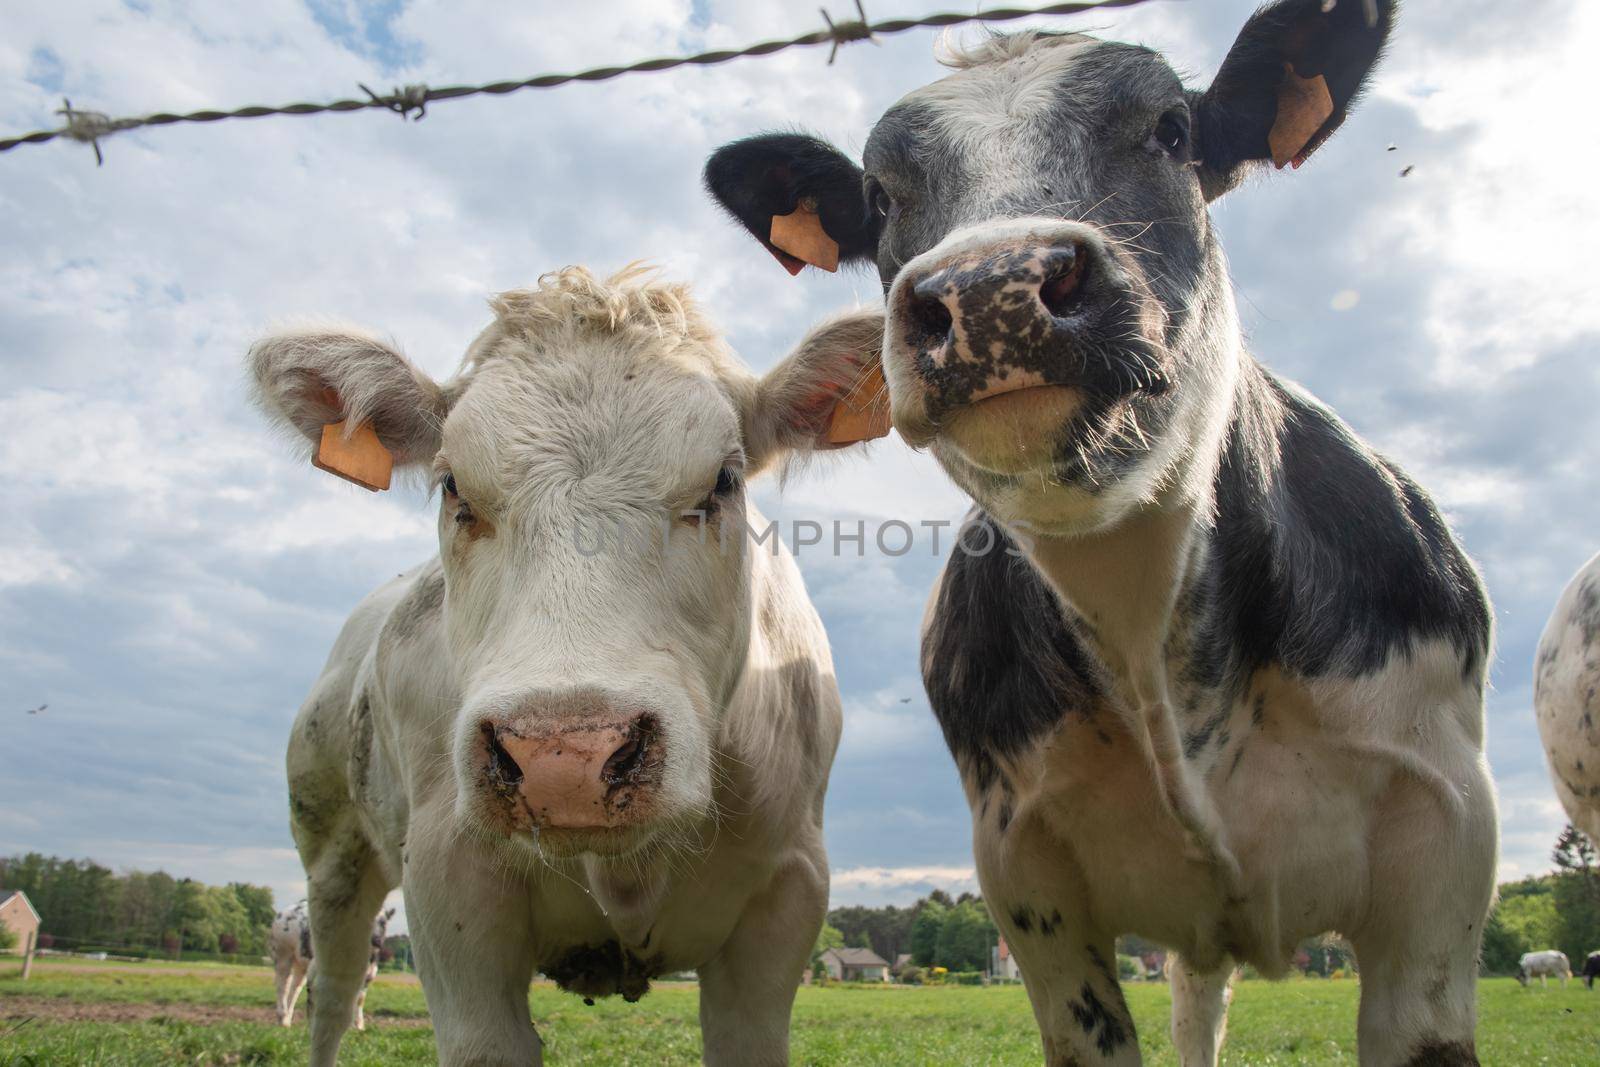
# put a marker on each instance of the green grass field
(154, 1013)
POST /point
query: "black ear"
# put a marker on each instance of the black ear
(1289, 81)
(773, 174)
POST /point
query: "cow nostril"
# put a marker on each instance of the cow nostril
(1062, 290)
(500, 762)
(930, 320)
(630, 755)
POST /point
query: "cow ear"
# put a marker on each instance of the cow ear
(309, 379)
(799, 196)
(827, 393)
(1288, 83)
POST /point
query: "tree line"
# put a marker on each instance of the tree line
(1560, 910)
(87, 907)
(937, 931)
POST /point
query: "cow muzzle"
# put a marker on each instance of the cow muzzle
(1031, 307)
(601, 772)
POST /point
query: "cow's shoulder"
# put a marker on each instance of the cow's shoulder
(1325, 558)
(1000, 660)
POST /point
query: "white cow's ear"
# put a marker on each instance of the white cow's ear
(308, 378)
(824, 394)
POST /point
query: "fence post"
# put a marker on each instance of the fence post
(27, 954)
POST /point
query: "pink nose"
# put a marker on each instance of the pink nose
(584, 775)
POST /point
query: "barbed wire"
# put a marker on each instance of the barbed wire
(90, 127)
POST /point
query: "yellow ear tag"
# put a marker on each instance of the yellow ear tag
(359, 458)
(1304, 107)
(863, 413)
(801, 236)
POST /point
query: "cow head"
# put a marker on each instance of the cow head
(1060, 323)
(590, 460)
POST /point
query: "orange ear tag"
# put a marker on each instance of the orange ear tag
(1304, 107)
(801, 236)
(359, 458)
(863, 413)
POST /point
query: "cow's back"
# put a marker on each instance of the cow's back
(333, 744)
(1566, 697)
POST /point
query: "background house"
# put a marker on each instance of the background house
(17, 915)
(1003, 964)
(855, 965)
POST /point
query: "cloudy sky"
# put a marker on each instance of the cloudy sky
(171, 574)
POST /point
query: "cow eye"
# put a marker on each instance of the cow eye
(450, 484)
(727, 482)
(878, 198)
(1171, 133)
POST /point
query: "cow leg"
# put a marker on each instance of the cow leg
(345, 889)
(361, 997)
(1432, 861)
(747, 989)
(282, 972)
(1036, 895)
(470, 923)
(299, 971)
(1199, 1011)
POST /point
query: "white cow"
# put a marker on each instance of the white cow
(1544, 965)
(289, 941)
(1566, 679)
(591, 738)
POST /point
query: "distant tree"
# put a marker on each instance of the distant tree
(8, 939)
(227, 943)
(925, 931)
(941, 898)
(1502, 946)
(1576, 895)
(965, 936)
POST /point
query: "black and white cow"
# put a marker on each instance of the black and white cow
(1218, 679)
(591, 737)
(1591, 969)
(1566, 681)
(289, 943)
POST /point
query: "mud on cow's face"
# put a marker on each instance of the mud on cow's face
(590, 461)
(1058, 308)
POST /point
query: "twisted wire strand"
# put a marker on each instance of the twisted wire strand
(90, 127)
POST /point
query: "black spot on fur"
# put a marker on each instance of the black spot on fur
(1000, 665)
(1443, 1054)
(1328, 561)
(593, 971)
(1022, 919)
(1100, 1022)
(1048, 925)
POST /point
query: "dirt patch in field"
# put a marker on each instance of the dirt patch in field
(65, 1010)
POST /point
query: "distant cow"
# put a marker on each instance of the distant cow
(591, 738)
(1543, 965)
(1211, 668)
(289, 941)
(1591, 969)
(1566, 679)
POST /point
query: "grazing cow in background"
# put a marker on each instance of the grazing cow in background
(591, 737)
(1591, 969)
(1212, 670)
(1544, 965)
(289, 942)
(1566, 679)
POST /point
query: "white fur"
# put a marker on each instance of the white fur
(1566, 679)
(614, 404)
(1544, 966)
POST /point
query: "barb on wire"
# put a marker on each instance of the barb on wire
(89, 127)
(846, 32)
(402, 101)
